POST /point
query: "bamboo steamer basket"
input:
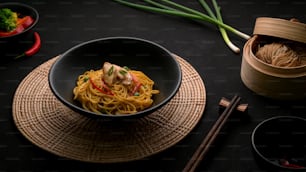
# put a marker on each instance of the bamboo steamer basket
(282, 83)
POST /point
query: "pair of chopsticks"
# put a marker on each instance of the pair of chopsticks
(208, 140)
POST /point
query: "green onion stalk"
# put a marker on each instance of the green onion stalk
(171, 8)
(219, 17)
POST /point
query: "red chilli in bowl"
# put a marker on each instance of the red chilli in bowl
(14, 45)
(279, 143)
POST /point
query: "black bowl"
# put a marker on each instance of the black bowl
(11, 46)
(280, 140)
(138, 54)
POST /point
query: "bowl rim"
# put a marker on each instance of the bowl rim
(24, 6)
(255, 147)
(93, 114)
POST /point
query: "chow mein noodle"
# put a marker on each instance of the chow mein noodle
(114, 90)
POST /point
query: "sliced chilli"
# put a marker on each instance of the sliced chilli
(105, 87)
(137, 84)
(102, 90)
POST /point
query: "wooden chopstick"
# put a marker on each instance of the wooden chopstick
(208, 140)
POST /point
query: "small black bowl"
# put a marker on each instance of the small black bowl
(279, 143)
(11, 46)
(138, 54)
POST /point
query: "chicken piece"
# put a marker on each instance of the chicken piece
(116, 74)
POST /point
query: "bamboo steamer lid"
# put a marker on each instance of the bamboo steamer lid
(281, 28)
(283, 83)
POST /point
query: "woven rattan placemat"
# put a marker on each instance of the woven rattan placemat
(52, 126)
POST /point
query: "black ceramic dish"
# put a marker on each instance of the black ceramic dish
(138, 54)
(16, 44)
(279, 143)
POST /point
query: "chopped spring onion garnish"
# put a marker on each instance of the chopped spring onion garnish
(126, 68)
(123, 72)
(171, 8)
(110, 71)
(85, 79)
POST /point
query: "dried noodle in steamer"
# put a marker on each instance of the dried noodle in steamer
(282, 55)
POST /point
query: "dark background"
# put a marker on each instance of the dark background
(64, 24)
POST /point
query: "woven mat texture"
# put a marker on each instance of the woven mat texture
(52, 126)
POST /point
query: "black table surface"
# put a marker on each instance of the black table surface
(64, 24)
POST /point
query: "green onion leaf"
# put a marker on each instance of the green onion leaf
(171, 8)
(110, 71)
(126, 68)
(123, 72)
(85, 79)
